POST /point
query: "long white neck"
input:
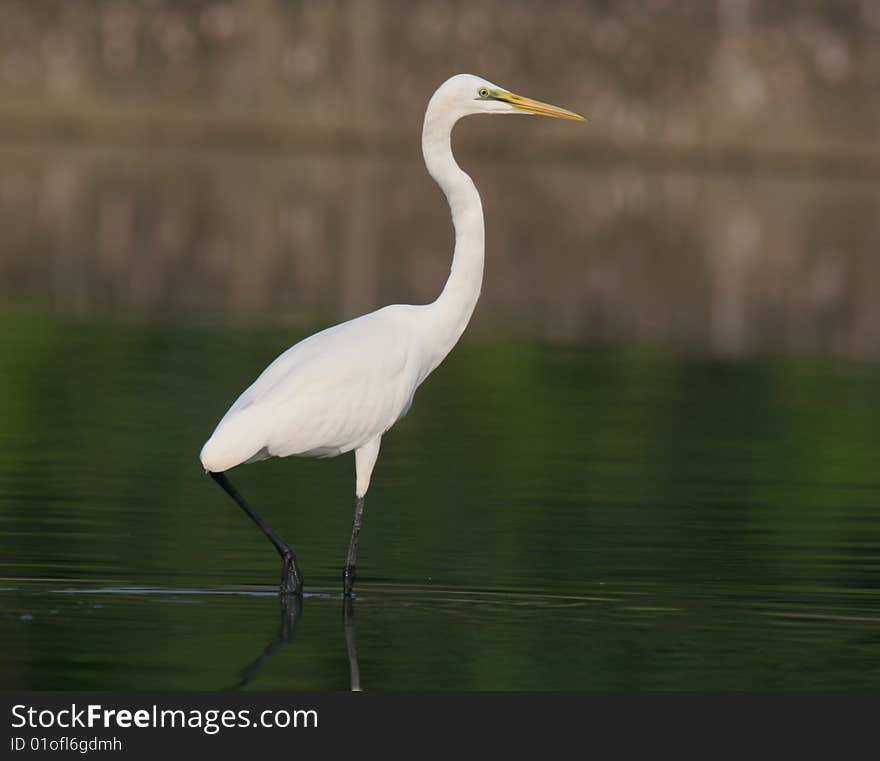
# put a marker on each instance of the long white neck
(451, 312)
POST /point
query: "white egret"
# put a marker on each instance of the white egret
(344, 387)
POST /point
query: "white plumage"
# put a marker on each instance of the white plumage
(332, 392)
(343, 388)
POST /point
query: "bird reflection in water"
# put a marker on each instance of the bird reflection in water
(348, 627)
(291, 611)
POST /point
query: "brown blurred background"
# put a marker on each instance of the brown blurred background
(260, 161)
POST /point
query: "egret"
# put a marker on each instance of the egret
(341, 389)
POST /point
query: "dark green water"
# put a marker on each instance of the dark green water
(546, 517)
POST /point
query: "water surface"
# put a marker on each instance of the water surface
(548, 516)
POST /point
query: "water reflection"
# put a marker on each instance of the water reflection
(727, 264)
(291, 609)
(350, 645)
(632, 636)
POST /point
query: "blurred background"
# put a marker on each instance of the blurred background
(722, 197)
(650, 462)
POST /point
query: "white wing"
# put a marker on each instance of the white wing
(330, 393)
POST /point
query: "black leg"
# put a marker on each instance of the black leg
(348, 572)
(291, 576)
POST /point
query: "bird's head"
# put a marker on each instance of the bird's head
(466, 94)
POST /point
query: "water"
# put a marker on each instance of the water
(546, 517)
(651, 463)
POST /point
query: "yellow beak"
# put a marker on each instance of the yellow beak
(537, 107)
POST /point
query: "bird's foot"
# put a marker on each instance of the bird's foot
(348, 576)
(291, 576)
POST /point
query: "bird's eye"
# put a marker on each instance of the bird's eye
(483, 92)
